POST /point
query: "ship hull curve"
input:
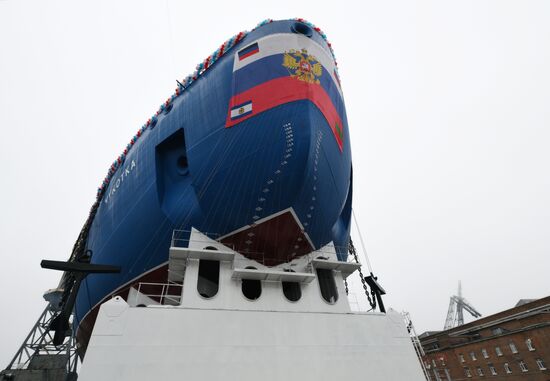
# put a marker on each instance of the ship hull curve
(275, 185)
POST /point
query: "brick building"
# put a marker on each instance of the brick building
(511, 345)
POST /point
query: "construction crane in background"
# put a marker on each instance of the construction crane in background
(457, 305)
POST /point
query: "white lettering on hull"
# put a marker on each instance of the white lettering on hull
(115, 184)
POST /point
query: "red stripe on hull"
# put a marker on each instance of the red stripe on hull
(86, 326)
(284, 90)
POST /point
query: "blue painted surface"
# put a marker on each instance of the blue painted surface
(190, 171)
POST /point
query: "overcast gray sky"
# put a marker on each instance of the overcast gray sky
(448, 108)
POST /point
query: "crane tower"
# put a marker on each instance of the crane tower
(457, 305)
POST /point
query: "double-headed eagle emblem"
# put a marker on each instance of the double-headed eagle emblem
(302, 66)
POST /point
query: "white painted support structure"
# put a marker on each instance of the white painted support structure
(273, 275)
(345, 268)
(229, 337)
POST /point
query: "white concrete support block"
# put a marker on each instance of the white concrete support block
(169, 343)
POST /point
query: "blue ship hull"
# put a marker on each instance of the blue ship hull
(280, 167)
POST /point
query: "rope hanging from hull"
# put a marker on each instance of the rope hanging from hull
(372, 301)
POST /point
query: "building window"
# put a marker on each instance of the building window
(513, 347)
(529, 344)
(461, 358)
(251, 288)
(209, 278)
(473, 356)
(523, 366)
(492, 369)
(467, 372)
(507, 368)
(480, 371)
(540, 363)
(497, 331)
(498, 351)
(433, 363)
(327, 285)
(484, 353)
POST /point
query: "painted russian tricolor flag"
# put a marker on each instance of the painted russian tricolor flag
(248, 51)
(284, 68)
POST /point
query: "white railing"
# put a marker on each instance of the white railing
(162, 293)
(181, 238)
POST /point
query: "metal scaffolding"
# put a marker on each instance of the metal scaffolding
(39, 359)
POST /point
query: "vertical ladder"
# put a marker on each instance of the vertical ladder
(416, 344)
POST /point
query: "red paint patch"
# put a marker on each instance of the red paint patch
(272, 242)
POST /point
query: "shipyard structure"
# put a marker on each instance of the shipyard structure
(510, 345)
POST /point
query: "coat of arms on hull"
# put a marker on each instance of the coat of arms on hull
(302, 66)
